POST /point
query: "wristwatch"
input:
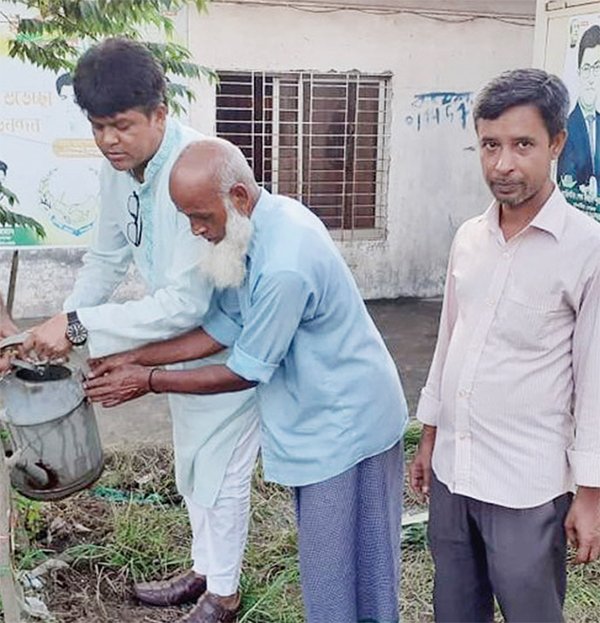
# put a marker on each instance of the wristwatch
(76, 333)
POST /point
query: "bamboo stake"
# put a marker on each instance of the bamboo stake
(12, 283)
(8, 591)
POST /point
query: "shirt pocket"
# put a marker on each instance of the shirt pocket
(525, 317)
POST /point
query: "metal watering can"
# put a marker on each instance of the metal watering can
(53, 431)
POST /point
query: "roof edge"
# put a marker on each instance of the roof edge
(387, 7)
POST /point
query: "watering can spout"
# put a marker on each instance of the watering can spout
(38, 476)
(53, 432)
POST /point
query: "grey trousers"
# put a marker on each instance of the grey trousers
(349, 542)
(483, 550)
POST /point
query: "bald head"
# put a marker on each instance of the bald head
(211, 182)
(215, 165)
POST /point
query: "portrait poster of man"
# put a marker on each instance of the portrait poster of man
(578, 167)
(50, 160)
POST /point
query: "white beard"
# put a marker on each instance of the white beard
(225, 262)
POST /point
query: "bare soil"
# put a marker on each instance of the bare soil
(89, 591)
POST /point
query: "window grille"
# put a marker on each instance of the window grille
(321, 138)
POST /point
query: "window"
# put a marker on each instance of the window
(321, 138)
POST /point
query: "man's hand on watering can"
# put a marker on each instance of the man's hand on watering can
(48, 340)
(125, 383)
(102, 365)
(6, 357)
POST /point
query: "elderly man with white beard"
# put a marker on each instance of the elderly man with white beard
(332, 406)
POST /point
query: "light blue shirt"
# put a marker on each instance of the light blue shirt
(329, 392)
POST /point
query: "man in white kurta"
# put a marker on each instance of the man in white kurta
(215, 437)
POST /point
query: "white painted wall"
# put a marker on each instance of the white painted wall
(435, 181)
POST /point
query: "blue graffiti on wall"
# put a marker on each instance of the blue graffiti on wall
(440, 108)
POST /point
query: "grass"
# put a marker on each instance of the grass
(143, 543)
(270, 578)
(132, 526)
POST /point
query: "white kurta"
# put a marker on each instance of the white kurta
(205, 428)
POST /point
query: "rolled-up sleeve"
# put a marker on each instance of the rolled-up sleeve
(584, 455)
(428, 409)
(277, 305)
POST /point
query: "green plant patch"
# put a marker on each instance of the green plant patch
(412, 435)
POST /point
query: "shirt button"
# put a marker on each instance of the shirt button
(506, 255)
(464, 436)
(463, 393)
(489, 302)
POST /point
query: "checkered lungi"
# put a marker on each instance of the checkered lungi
(349, 542)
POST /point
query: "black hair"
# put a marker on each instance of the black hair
(64, 80)
(590, 39)
(523, 87)
(118, 75)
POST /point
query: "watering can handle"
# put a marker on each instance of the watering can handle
(13, 340)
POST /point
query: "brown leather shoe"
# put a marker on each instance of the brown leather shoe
(181, 589)
(212, 609)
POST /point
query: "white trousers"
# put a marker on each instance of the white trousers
(219, 532)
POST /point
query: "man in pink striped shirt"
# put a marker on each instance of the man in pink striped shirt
(510, 451)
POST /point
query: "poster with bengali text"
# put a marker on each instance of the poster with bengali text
(48, 158)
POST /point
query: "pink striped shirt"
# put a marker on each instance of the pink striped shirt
(514, 386)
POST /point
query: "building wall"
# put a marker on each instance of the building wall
(437, 66)
(435, 183)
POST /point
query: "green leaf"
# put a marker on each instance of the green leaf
(49, 40)
(10, 218)
(8, 195)
(53, 40)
